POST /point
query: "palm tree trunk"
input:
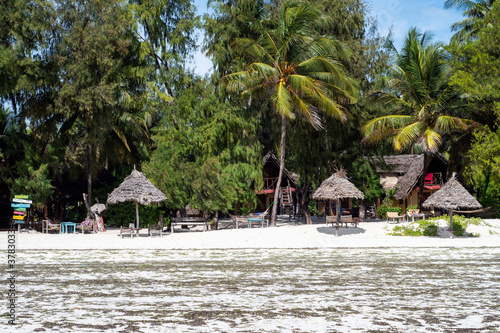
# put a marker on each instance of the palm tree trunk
(282, 167)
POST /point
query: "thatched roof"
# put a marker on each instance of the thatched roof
(337, 187)
(452, 196)
(270, 156)
(136, 187)
(410, 167)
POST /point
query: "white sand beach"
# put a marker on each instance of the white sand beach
(289, 278)
(289, 234)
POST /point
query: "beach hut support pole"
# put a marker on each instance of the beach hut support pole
(451, 220)
(137, 214)
(337, 211)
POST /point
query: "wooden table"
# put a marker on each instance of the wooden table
(188, 221)
(255, 220)
(65, 225)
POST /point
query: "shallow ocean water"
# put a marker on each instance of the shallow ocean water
(264, 290)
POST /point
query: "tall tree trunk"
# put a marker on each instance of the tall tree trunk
(362, 210)
(88, 201)
(303, 200)
(282, 167)
(422, 182)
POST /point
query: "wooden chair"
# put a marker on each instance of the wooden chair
(333, 221)
(48, 225)
(87, 225)
(348, 219)
(156, 228)
(394, 217)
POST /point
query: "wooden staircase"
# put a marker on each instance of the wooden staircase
(287, 205)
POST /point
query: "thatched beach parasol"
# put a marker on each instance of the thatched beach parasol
(452, 196)
(335, 188)
(136, 187)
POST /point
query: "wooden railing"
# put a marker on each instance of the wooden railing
(270, 183)
(437, 179)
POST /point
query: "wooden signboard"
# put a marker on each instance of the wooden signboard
(24, 201)
(18, 205)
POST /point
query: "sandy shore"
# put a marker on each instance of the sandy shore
(287, 235)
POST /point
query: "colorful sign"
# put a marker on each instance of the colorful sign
(19, 213)
(22, 201)
(21, 196)
(15, 205)
(18, 217)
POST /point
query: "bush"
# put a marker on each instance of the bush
(417, 228)
(123, 213)
(384, 208)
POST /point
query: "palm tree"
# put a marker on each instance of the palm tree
(299, 72)
(475, 12)
(417, 86)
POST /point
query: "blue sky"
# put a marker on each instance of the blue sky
(426, 15)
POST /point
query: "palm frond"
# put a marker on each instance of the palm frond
(388, 123)
(431, 140)
(407, 135)
(446, 124)
(283, 101)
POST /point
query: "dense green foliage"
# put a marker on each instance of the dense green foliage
(477, 73)
(475, 11)
(89, 89)
(295, 68)
(207, 154)
(385, 207)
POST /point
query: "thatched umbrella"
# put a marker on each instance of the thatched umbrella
(452, 196)
(136, 187)
(335, 188)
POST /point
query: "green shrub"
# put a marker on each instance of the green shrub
(384, 208)
(417, 228)
(123, 213)
(411, 207)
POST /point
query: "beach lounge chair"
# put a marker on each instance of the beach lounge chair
(415, 214)
(394, 217)
(87, 225)
(49, 225)
(156, 228)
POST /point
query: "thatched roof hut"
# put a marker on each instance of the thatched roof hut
(337, 187)
(136, 187)
(270, 157)
(452, 196)
(407, 170)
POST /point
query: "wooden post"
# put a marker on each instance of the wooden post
(362, 210)
(137, 214)
(337, 213)
(451, 220)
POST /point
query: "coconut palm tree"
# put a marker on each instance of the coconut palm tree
(475, 12)
(300, 73)
(418, 89)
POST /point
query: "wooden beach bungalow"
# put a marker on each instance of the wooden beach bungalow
(404, 171)
(287, 198)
